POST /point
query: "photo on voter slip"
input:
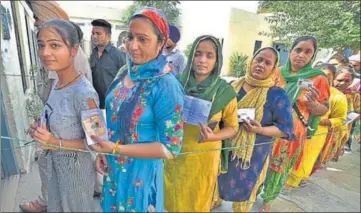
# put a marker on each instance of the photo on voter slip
(93, 123)
(246, 114)
(304, 83)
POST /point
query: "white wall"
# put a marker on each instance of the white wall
(14, 100)
(208, 17)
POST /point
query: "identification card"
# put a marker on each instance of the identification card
(246, 114)
(94, 123)
(351, 117)
(304, 83)
(196, 110)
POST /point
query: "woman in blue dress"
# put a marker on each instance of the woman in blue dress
(144, 117)
(247, 166)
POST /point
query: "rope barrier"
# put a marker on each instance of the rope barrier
(33, 142)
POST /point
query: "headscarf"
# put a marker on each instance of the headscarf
(294, 91)
(255, 98)
(46, 10)
(158, 66)
(213, 89)
(157, 17)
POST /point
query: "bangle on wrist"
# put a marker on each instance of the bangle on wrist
(115, 148)
(313, 104)
(60, 144)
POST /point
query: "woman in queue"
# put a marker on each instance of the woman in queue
(343, 79)
(247, 166)
(333, 123)
(308, 105)
(71, 174)
(190, 179)
(144, 106)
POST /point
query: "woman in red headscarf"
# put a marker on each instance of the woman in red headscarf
(144, 107)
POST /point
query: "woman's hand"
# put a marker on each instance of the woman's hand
(253, 126)
(33, 128)
(325, 122)
(207, 133)
(42, 135)
(102, 146)
(312, 94)
(101, 164)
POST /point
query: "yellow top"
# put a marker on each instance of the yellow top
(190, 179)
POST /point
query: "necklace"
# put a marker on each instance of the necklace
(61, 87)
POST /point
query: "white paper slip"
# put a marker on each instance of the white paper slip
(196, 110)
(94, 123)
(246, 114)
(352, 116)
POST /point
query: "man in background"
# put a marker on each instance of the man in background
(174, 56)
(121, 41)
(105, 60)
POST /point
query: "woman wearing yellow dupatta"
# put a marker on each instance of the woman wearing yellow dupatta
(332, 124)
(343, 79)
(247, 166)
(190, 179)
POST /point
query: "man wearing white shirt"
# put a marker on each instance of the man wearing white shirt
(174, 56)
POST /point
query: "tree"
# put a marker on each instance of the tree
(335, 24)
(169, 8)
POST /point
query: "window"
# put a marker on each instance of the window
(257, 46)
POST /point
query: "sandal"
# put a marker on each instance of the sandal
(303, 183)
(32, 206)
(265, 208)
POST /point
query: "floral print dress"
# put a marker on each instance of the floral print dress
(150, 111)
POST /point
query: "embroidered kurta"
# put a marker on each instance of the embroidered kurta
(286, 155)
(154, 107)
(237, 184)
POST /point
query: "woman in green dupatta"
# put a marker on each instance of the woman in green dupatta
(190, 179)
(308, 105)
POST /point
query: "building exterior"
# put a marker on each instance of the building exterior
(84, 17)
(18, 57)
(237, 29)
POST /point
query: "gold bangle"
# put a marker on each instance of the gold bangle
(115, 148)
(60, 145)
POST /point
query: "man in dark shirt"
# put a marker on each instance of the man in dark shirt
(105, 60)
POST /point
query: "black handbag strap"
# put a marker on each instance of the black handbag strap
(300, 116)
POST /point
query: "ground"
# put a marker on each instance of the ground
(335, 188)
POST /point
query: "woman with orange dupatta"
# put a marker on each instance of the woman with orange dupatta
(308, 105)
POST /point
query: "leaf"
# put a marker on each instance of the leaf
(335, 24)
(169, 8)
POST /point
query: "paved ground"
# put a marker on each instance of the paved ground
(335, 188)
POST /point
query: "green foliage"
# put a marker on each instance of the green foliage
(187, 51)
(335, 24)
(169, 8)
(238, 64)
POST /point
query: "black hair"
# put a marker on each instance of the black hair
(121, 37)
(305, 38)
(156, 30)
(66, 30)
(102, 23)
(345, 69)
(330, 67)
(340, 58)
(79, 31)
